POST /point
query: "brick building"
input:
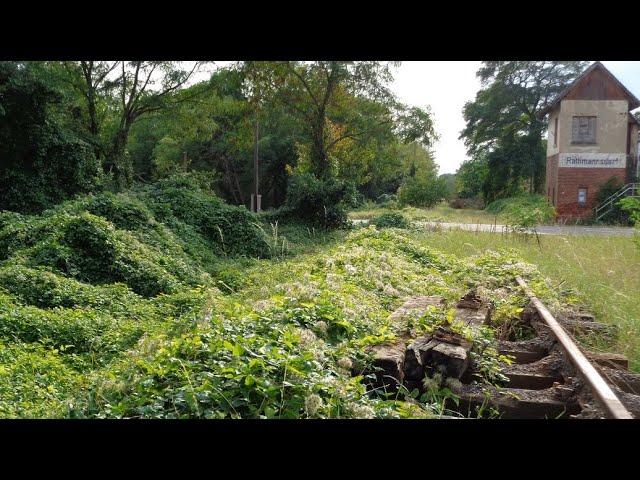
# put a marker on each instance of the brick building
(592, 137)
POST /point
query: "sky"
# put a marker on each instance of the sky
(446, 86)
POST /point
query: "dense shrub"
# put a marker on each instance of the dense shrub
(631, 206)
(523, 211)
(156, 239)
(91, 249)
(390, 220)
(125, 212)
(617, 214)
(45, 289)
(317, 201)
(228, 230)
(464, 203)
(422, 191)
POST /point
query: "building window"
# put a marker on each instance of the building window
(583, 130)
(582, 196)
(555, 133)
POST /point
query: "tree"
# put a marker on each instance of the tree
(41, 161)
(128, 91)
(214, 132)
(471, 176)
(321, 96)
(449, 180)
(502, 121)
(421, 186)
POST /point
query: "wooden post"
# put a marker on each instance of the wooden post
(256, 166)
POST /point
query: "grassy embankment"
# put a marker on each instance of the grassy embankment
(440, 213)
(523, 209)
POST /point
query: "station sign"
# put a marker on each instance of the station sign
(593, 160)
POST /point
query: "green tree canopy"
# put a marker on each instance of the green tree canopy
(41, 161)
(471, 176)
(502, 121)
(337, 102)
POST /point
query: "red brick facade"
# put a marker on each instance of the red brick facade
(552, 178)
(562, 190)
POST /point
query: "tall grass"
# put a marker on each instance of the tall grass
(439, 213)
(604, 272)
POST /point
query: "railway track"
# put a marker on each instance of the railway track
(609, 402)
(551, 376)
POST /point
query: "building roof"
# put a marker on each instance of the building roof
(633, 101)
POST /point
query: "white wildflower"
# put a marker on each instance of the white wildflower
(261, 305)
(389, 290)
(361, 411)
(306, 336)
(321, 327)
(351, 269)
(345, 363)
(312, 404)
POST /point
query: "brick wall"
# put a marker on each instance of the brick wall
(570, 179)
(551, 176)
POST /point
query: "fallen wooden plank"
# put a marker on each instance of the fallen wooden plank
(388, 366)
(515, 403)
(626, 381)
(611, 360)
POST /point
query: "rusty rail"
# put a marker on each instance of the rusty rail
(612, 405)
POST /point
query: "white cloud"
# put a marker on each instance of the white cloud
(445, 87)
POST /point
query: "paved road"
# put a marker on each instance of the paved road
(542, 229)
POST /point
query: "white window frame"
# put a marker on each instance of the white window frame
(586, 193)
(592, 129)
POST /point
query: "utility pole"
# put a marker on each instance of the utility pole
(256, 198)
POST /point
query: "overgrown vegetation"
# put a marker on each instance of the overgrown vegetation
(631, 206)
(155, 239)
(109, 307)
(42, 161)
(134, 282)
(523, 211)
(390, 220)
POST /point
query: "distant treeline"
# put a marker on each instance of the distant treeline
(81, 127)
